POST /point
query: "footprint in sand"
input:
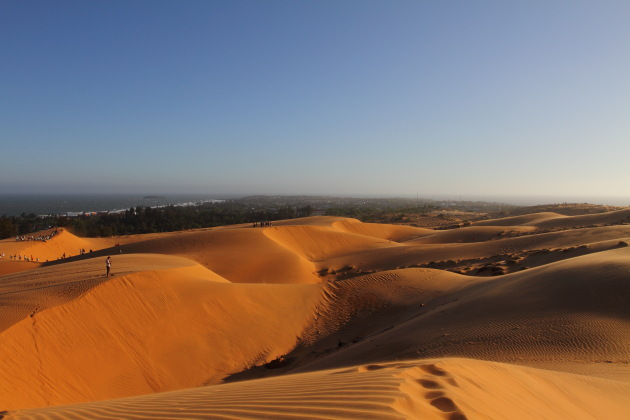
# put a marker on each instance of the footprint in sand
(446, 405)
(451, 381)
(438, 399)
(433, 370)
(433, 394)
(429, 384)
(370, 368)
(437, 371)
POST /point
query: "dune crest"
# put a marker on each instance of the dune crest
(397, 233)
(316, 243)
(427, 389)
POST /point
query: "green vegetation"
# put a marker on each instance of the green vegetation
(151, 220)
(142, 219)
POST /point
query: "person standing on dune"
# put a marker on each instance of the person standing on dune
(108, 266)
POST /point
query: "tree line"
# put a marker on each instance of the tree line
(138, 220)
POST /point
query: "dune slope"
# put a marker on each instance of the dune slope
(149, 331)
(574, 310)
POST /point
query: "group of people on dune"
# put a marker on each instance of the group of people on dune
(42, 238)
(18, 257)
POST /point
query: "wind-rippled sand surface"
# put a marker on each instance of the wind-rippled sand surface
(523, 317)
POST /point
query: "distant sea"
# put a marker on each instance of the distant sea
(533, 200)
(63, 204)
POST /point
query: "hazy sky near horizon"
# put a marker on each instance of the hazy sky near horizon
(323, 97)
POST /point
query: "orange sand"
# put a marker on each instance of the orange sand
(323, 317)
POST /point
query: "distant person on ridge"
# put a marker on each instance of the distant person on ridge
(108, 266)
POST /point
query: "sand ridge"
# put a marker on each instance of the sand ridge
(396, 233)
(430, 389)
(244, 255)
(63, 244)
(555, 220)
(26, 293)
(317, 243)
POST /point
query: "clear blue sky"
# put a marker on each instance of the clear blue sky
(321, 97)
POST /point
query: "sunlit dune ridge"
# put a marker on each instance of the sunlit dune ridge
(329, 302)
(429, 389)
